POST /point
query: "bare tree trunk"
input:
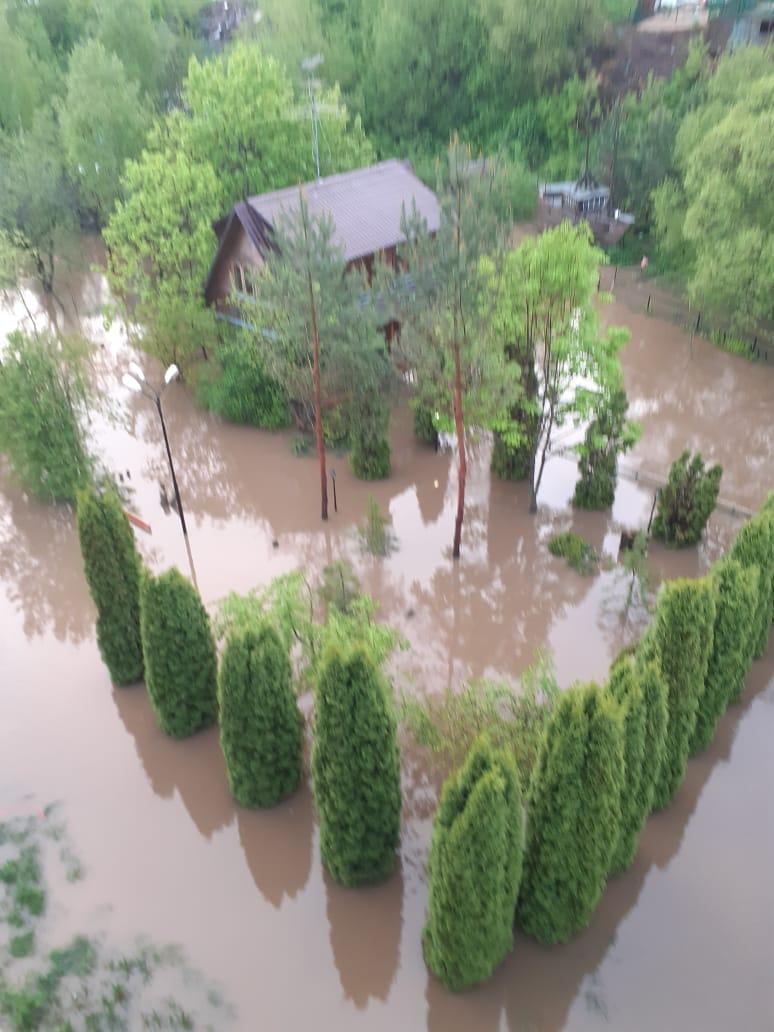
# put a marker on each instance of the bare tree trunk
(318, 427)
(532, 488)
(459, 425)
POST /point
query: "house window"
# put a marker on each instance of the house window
(243, 279)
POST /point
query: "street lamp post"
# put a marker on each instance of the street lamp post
(135, 381)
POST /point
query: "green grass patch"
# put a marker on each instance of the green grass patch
(576, 550)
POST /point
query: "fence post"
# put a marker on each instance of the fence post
(698, 320)
(648, 305)
(615, 273)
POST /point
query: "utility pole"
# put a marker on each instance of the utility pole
(309, 64)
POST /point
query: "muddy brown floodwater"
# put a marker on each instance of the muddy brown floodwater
(683, 940)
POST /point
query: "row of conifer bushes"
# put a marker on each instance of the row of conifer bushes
(611, 754)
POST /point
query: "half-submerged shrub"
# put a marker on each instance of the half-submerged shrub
(575, 549)
(261, 729)
(425, 429)
(682, 638)
(370, 455)
(112, 568)
(574, 815)
(179, 653)
(355, 768)
(736, 602)
(608, 436)
(687, 500)
(237, 387)
(624, 686)
(754, 546)
(475, 869)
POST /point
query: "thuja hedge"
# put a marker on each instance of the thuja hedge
(733, 641)
(475, 868)
(179, 652)
(261, 729)
(112, 568)
(624, 686)
(686, 501)
(355, 768)
(682, 635)
(754, 546)
(574, 815)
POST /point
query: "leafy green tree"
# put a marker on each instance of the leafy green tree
(103, 123)
(624, 686)
(43, 393)
(574, 815)
(686, 501)
(160, 245)
(461, 373)
(754, 547)
(717, 218)
(179, 654)
(21, 90)
(547, 326)
(355, 768)
(685, 618)
(112, 566)
(261, 729)
(733, 641)
(308, 320)
(37, 202)
(608, 436)
(475, 868)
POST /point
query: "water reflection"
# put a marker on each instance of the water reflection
(277, 844)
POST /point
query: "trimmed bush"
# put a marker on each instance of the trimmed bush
(475, 869)
(682, 637)
(686, 502)
(607, 437)
(574, 815)
(112, 567)
(355, 768)
(624, 686)
(179, 653)
(655, 692)
(736, 600)
(754, 546)
(261, 729)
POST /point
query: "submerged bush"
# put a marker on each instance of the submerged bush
(237, 387)
(682, 638)
(608, 436)
(179, 653)
(624, 686)
(574, 815)
(370, 455)
(736, 600)
(376, 534)
(754, 546)
(425, 429)
(112, 568)
(578, 552)
(261, 730)
(355, 768)
(475, 869)
(687, 500)
(510, 461)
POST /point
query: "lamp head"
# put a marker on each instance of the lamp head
(137, 372)
(131, 383)
(171, 374)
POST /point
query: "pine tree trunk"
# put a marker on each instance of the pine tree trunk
(459, 425)
(318, 427)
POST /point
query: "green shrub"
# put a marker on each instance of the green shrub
(607, 437)
(475, 869)
(112, 568)
(687, 500)
(578, 552)
(574, 815)
(625, 687)
(42, 390)
(179, 653)
(237, 387)
(682, 638)
(376, 534)
(261, 729)
(736, 599)
(655, 692)
(510, 461)
(425, 429)
(355, 768)
(370, 456)
(754, 546)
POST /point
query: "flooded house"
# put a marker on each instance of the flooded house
(365, 205)
(583, 200)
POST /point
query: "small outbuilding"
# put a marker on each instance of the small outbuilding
(583, 200)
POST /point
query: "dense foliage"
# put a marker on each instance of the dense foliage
(575, 549)
(574, 815)
(682, 638)
(179, 653)
(475, 869)
(236, 386)
(355, 768)
(43, 392)
(608, 436)
(112, 566)
(686, 501)
(624, 686)
(261, 730)
(733, 641)
(754, 547)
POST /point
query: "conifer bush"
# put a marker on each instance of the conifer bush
(112, 567)
(655, 692)
(355, 768)
(625, 687)
(685, 617)
(475, 868)
(686, 501)
(754, 546)
(179, 653)
(574, 815)
(736, 598)
(261, 729)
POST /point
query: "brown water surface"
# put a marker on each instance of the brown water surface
(683, 940)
